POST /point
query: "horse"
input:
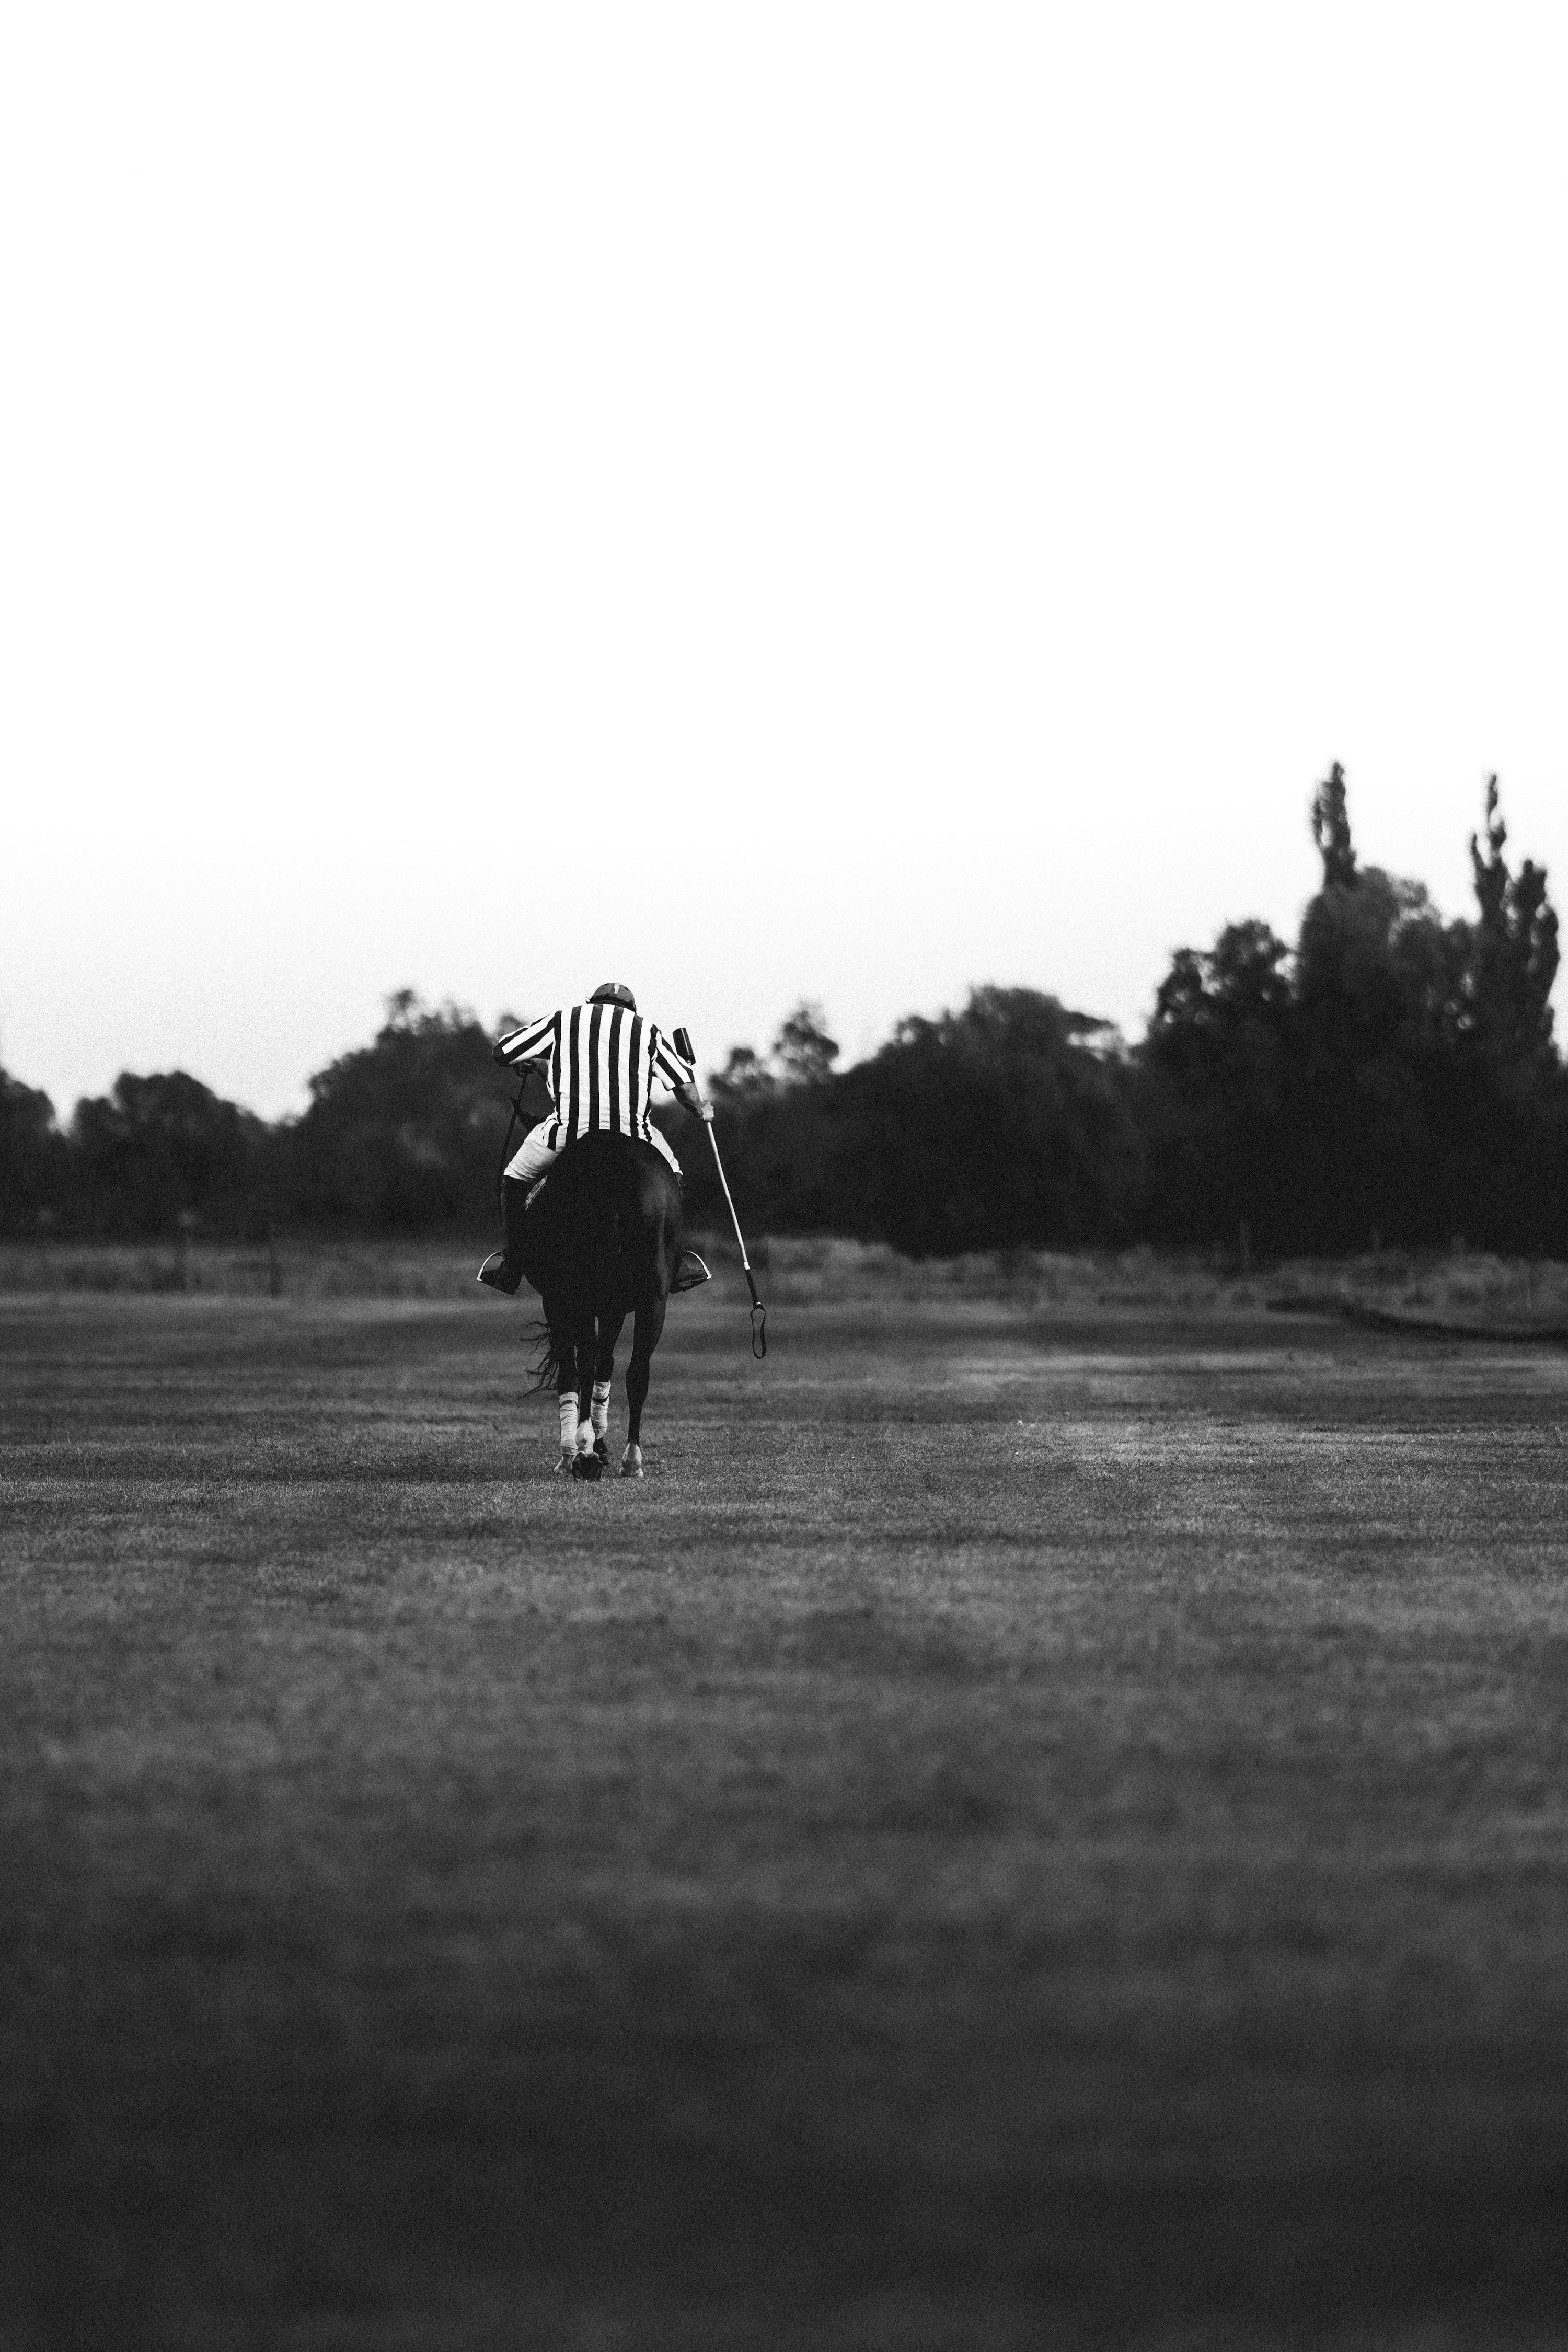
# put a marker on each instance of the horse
(602, 1241)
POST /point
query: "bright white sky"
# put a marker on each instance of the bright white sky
(846, 500)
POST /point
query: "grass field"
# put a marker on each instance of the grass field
(1038, 1823)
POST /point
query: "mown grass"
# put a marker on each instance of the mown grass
(1037, 1823)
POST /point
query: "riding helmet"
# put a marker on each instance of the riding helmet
(613, 992)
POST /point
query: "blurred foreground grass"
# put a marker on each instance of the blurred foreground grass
(1036, 1825)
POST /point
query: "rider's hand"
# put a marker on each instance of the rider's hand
(705, 1110)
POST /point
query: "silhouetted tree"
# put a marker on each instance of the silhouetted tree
(1332, 831)
(803, 1049)
(159, 1148)
(1215, 1103)
(1374, 979)
(34, 1158)
(802, 1054)
(1393, 1079)
(1515, 956)
(1007, 1122)
(403, 1135)
(744, 1078)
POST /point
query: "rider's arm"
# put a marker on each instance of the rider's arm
(531, 1041)
(671, 1065)
(690, 1093)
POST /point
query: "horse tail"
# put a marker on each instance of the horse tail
(547, 1365)
(588, 1232)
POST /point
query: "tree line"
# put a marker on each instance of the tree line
(1389, 1079)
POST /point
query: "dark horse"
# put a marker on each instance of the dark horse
(601, 1241)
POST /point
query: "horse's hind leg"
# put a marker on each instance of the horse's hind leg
(566, 1393)
(645, 1340)
(604, 1373)
(572, 1345)
(585, 1349)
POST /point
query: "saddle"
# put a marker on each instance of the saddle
(690, 1272)
(570, 1144)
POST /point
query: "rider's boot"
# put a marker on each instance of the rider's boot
(502, 1270)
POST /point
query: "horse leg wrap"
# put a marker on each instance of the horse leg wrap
(568, 1402)
(599, 1410)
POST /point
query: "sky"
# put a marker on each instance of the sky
(839, 501)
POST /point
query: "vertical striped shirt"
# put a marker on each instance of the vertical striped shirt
(599, 1061)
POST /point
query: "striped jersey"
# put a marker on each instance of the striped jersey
(600, 1062)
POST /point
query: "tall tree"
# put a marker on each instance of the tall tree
(801, 1054)
(803, 1049)
(1332, 831)
(1515, 953)
(1395, 1080)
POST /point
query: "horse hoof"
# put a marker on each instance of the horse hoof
(631, 1462)
(587, 1465)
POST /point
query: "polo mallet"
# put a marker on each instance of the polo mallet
(681, 1040)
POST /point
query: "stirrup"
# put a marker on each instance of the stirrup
(690, 1272)
(494, 1274)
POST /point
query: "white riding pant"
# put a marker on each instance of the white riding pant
(536, 1153)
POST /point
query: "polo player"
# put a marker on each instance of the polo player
(599, 1061)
